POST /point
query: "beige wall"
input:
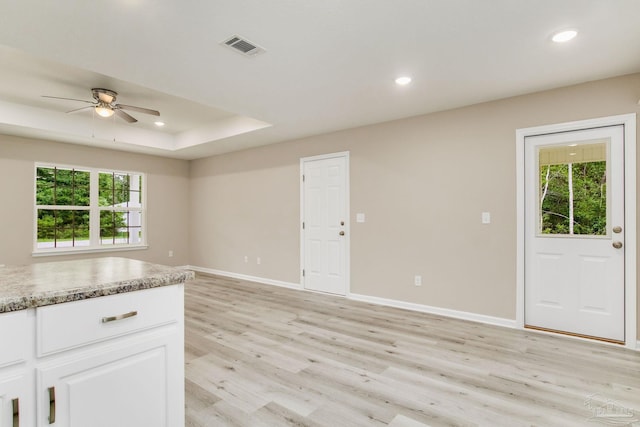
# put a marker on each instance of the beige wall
(422, 183)
(167, 198)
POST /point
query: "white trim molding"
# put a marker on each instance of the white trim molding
(464, 315)
(629, 123)
(439, 311)
(290, 285)
(447, 312)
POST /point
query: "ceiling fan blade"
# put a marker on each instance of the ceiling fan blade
(138, 109)
(125, 116)
(78, 109)
(68, 99)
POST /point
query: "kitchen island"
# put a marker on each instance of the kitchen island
(94, 342)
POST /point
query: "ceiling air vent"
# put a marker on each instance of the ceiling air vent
(243, 46)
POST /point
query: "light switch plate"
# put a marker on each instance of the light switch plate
(486, 217)
(360, 217)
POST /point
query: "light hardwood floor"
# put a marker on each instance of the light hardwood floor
(258, 355)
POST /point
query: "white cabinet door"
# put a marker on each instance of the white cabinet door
(129, 386)
(16, 403)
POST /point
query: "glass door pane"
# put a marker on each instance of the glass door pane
(573, 196)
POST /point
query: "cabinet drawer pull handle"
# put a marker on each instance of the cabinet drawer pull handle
(119, 317)
(52, 405)
(16, 412)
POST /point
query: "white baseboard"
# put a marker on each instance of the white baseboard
(262, 280)
(464, 315)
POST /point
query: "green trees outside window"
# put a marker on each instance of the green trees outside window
(65, 210)
(118, 191)
(573, 198)
(68, 188)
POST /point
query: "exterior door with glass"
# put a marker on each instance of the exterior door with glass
(574, 225)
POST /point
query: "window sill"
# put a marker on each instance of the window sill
(78, 251)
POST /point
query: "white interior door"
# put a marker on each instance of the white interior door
(574, 232)
(325, 224)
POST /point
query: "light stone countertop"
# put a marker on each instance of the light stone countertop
(37, 285)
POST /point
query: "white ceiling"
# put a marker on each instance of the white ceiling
(328, 64)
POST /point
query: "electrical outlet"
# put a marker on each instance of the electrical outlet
(258, 261)
(418, 280)
(246, 259)
(170, 254)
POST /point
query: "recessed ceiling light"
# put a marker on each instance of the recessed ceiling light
(159, 124)
(564, 36)
(403, 80)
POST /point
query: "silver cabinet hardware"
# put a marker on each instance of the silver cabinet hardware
(617, 245)
(16, 412)
(119, 317)
(52, 405)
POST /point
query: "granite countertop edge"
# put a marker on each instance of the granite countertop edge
(41, 299)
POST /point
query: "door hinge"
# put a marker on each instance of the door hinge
(303, 272)
(303, 225)
(302, 178)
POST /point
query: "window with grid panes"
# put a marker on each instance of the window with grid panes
(88, 209)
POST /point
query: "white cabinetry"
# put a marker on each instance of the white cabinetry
(16, 402)
(16, 395)
(109, 361)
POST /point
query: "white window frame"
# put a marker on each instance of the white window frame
(94, 213)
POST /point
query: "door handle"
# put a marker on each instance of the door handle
(341, 233)
(16, 412)
(617, 245)
(52, 405)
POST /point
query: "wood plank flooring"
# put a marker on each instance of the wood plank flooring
(259, 355)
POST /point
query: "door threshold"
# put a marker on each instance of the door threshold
(573, 334)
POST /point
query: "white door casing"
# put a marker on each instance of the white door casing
(325, 223)
(574, 282)
(592, 263)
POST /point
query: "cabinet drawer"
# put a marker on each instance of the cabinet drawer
(14, 337)
(64, 326)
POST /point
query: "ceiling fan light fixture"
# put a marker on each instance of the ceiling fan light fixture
(104, 111)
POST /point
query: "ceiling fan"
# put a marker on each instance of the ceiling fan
(105, 105)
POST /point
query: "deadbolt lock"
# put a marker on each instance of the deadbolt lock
(617, 229)
(617, 245)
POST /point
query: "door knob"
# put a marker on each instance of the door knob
(341, 233)
(617, 245)
(617, 229)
